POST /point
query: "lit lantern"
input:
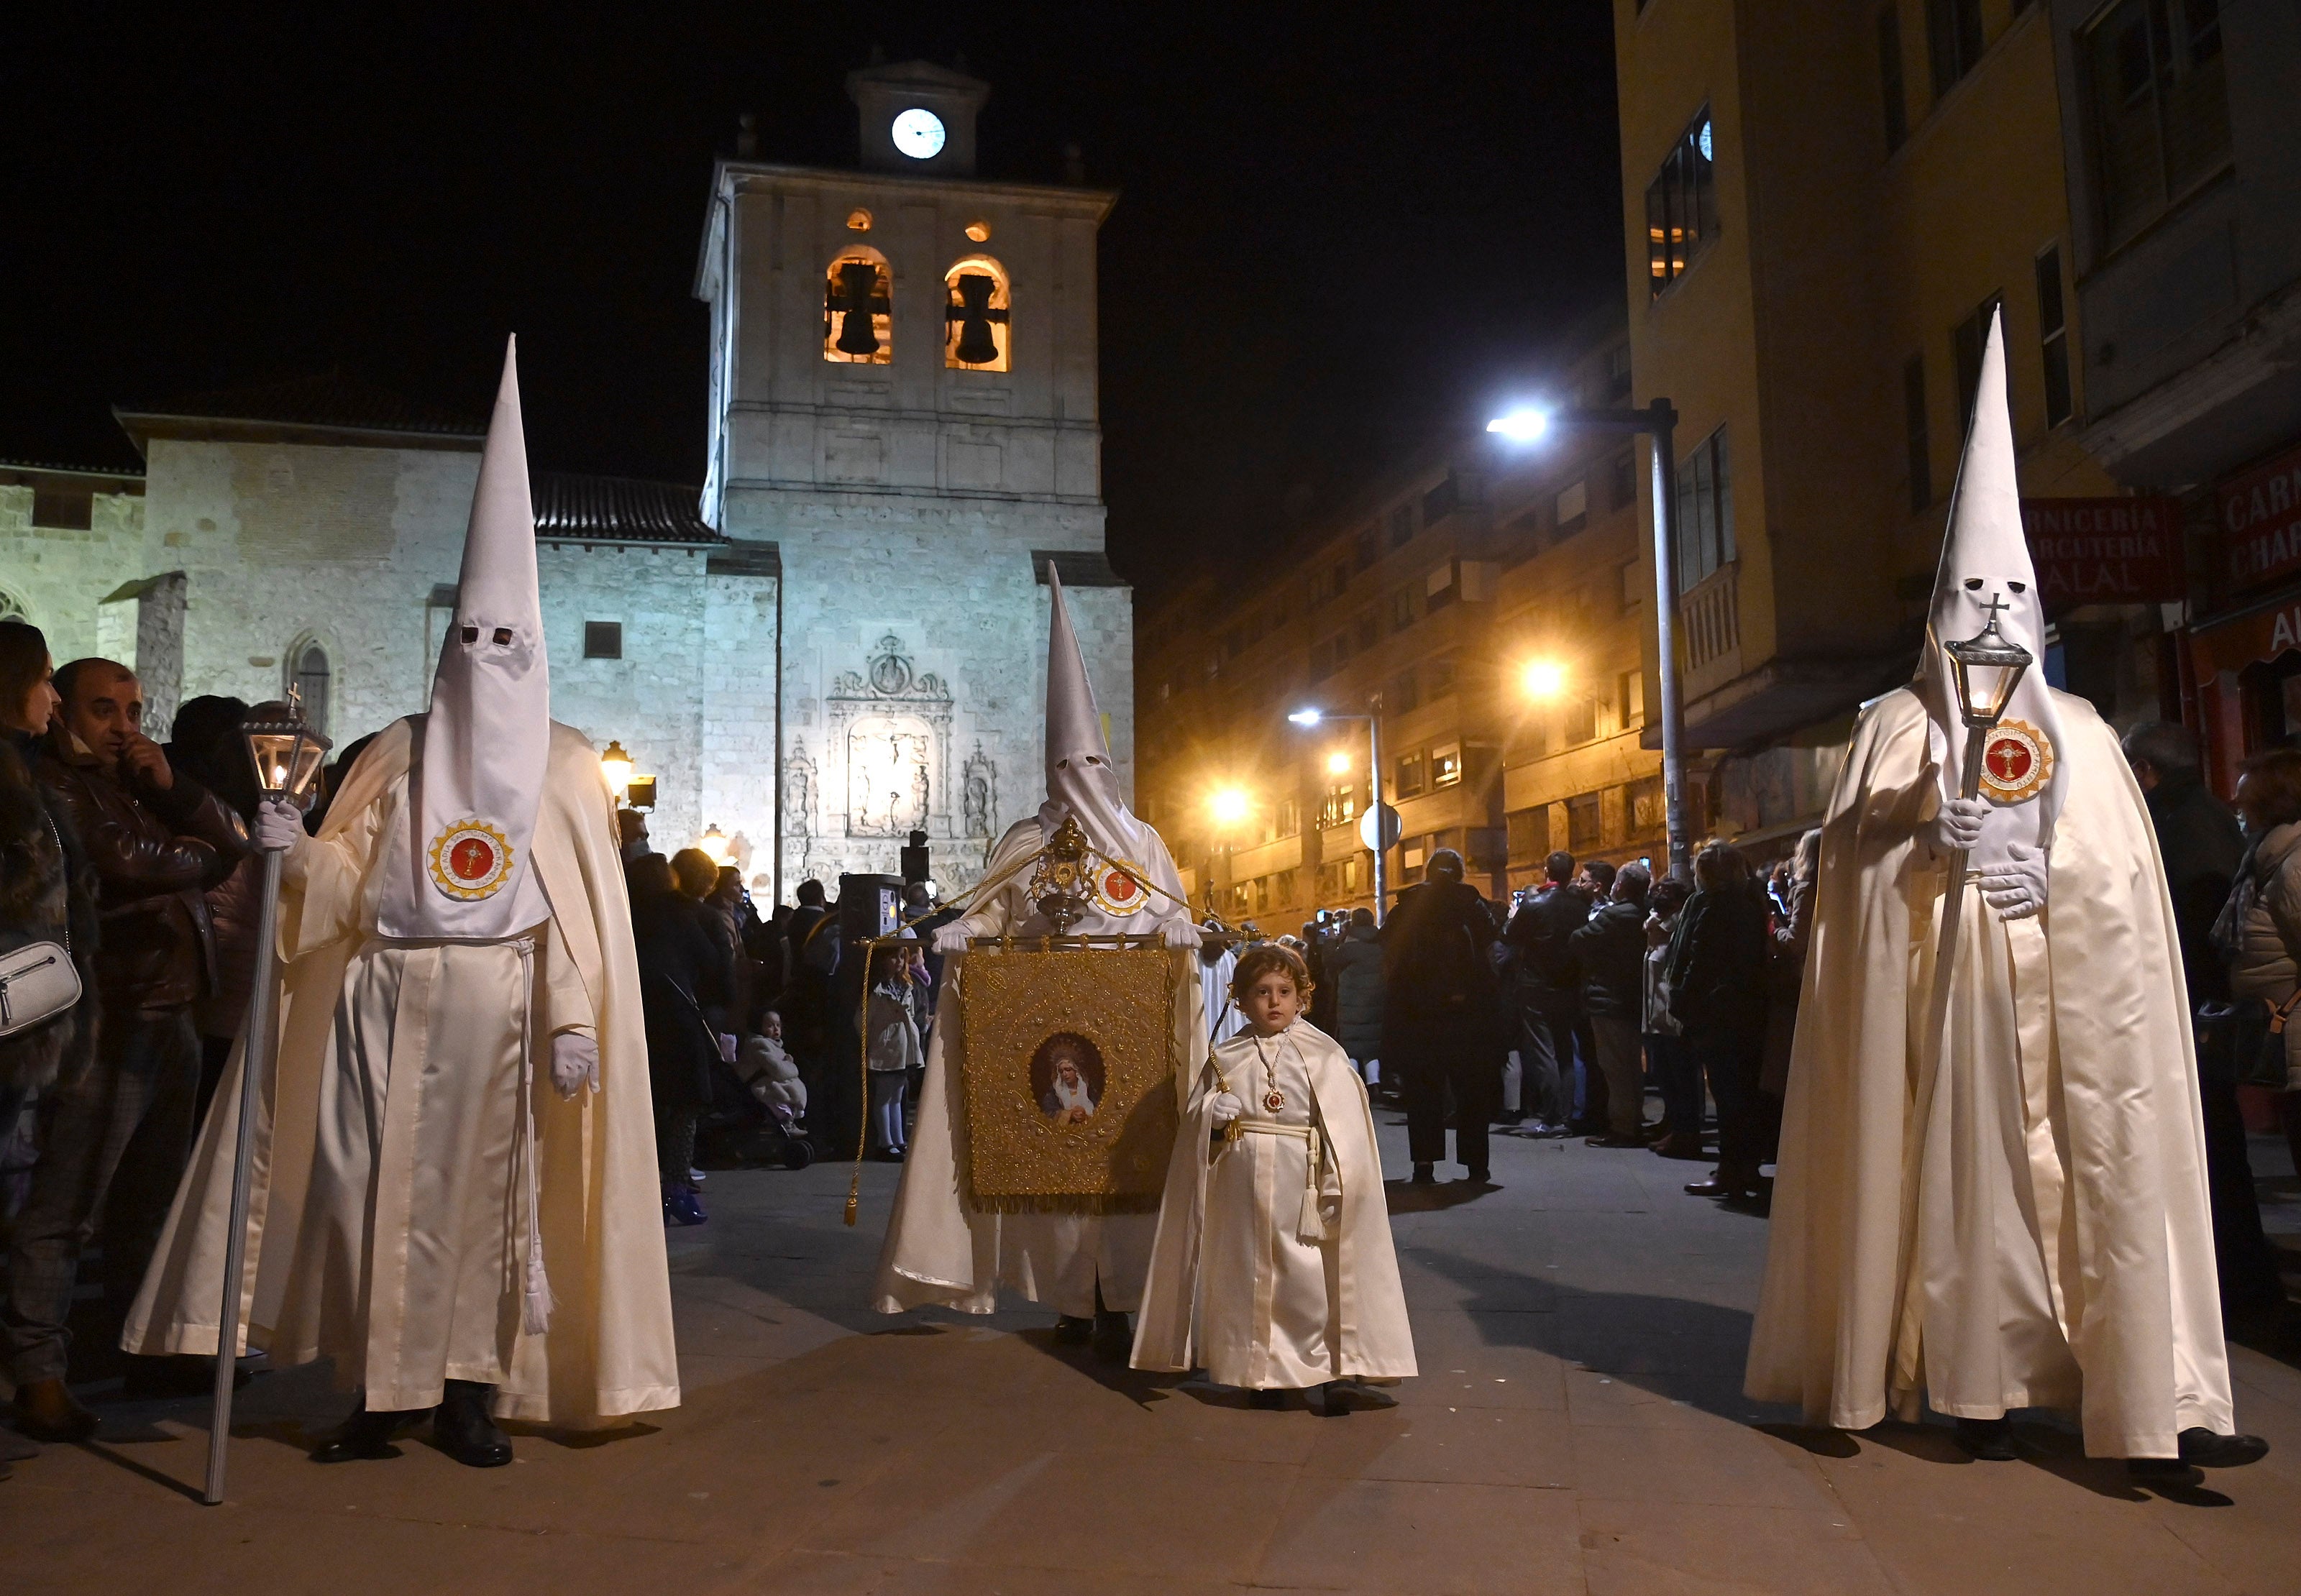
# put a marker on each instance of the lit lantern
(285, 750)
(714, 843)
(616, 766)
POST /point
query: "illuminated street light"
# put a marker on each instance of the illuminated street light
(1659, 421)
(616, 766)
(1229, 805)
(1545, 678)
(1308, 717)
(1521, 426)
(1338, 763)
(715, 843)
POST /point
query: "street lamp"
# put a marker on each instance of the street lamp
(1545, 678)
(1657, 420)
(616, 766)
(713, 843)
(285, 752)
(1338, 763)
(1229, 805)
(1379, 841)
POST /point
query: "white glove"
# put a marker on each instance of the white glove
(575, 1064)
(948, 939)
(278, 828)
(1182, 933)
(2015, 889)
(1225, 1106)
(1958, 826)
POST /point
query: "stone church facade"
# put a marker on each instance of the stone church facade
(839, 641)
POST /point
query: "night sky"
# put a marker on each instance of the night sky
(1338, 231)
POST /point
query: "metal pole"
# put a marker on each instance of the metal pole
(255, 1067)
(1374, 780)
(1663, 420)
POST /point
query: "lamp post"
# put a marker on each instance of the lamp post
(1380, 842)
(615, 766)
(1658, 420)
(286, 753)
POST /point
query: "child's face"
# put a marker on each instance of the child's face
(1272, 1003)
(772, 1027)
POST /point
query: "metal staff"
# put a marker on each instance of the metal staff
(1984, 671)
(286, 752)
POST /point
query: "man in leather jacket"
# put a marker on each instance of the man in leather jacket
(116, 1141)
(1441, 1015)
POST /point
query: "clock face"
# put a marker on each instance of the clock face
(918, 133)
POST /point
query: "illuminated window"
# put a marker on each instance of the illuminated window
(974, 318)
(1681, 206)
(979, 231)
(858, 221)
(1446, 764)
(1408, 783)
(859, 321)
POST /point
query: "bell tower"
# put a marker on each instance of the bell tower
(903, 403)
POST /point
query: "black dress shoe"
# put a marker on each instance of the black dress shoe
(1266, 1398)
(1482, 1176)
(1423, 1176)
(1073, 1330)
(1113, 1336)
(1711, 1188)
(464, 1429)
(1989, 1439)
(367, 1435)
(2202, 1449)
(1341, 1396)
(1611, 1139)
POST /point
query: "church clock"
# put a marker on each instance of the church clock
(918, 133)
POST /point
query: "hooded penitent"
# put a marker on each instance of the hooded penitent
(1082, 783)
(1991, 1190)
(1986, 570)
(460, 869)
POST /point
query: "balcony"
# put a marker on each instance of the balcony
(1709, 630)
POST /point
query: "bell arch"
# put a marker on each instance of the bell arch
(859, 308)
(977, 310)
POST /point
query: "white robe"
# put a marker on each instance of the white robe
(939, 1249)
(2059, 1252)
(389, 1219)
(1269, 1274)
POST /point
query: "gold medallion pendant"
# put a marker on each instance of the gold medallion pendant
(2017, 761)
(470, 860)
(1273, 1100)
(1116, 892)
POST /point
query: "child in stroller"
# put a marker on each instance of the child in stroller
(762, 1119)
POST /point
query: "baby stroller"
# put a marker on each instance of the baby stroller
(759, 1107)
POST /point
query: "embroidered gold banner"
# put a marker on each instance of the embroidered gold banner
(1068, 1078)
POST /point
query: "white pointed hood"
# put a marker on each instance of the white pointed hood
(1985, 561)
(1080, 776)
(478, 775)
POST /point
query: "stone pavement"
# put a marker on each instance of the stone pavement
(1578, 1427)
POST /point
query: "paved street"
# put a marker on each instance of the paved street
(1577, 1428)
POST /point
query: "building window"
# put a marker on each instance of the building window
(1632, 591)
(309, 675)
(1402, 611)
(1401, 526)
(12, 608)
(1572, 507)
(1440, 502)
(2160, 104)
(1968, 341)
(1529, 834)
(1890, 78)
(1409, 776)
(66, 509)
(1401, 695)
(1623, 487)
(1630, 699)
(1953, 39)
(1366, 548)
(2053, 335)
(975, 315)
(1584, 827)
(859, 314)
(1681, 206)
(1646, 814)
(1446, 764)
(603, 640)
(1286, 819)
(1365, 629)
(1618, 374)
(1341, 805)
(1917, 438)
(1705, 511)
(1578, 720)
(1441, 672)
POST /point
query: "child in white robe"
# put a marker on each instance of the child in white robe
(1274, 1266)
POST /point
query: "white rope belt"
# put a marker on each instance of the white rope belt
(1309, 1224)
(535, 1297)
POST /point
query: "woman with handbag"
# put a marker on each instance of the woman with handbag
(47, 942)
(2259, 933)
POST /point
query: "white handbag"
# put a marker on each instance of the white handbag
(38, 981)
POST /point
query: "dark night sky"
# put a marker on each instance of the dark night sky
(1338, 231)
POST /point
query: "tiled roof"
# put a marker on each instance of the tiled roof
(571, 508)
(331, 400)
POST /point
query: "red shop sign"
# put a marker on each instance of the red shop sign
(2107, 550)
(2261, 522)
(2249, 640)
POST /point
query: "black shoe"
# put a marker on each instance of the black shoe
(1989, 1439)
(2202, 1449)
(1073, 1330)
(1481, 1176)
(1341, 1396)
(367, 1435)
(1711, 1188)
(1113, 1336)
(1423, 1176)
(1267, 1399)
(462, 1429)
(46, 1411)
(1611, 1139)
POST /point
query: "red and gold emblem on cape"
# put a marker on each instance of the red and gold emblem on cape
(470, 860)
(1118, 892)
(2017, 761)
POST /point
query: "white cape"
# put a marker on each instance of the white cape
(2071, 1158)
